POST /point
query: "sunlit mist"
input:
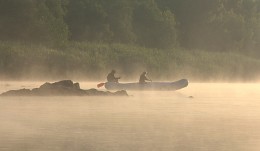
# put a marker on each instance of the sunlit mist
(203, 116)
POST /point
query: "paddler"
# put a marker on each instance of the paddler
(111, 77)
(143, 78)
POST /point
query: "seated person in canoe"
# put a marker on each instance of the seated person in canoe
(111, 77)
(143, 78)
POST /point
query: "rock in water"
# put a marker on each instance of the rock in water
(62, 88)
(21, 92)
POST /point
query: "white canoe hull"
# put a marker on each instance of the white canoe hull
(163, 86)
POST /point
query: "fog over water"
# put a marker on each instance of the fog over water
(200, 117)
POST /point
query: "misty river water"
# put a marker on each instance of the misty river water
(218, 117)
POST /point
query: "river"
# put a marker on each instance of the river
(200, 117)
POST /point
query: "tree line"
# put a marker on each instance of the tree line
(214, 25)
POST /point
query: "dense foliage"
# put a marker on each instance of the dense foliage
(149, 29)
(217, 24)
(213, 25)
(93, 61)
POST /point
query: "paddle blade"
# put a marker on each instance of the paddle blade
(100, 85)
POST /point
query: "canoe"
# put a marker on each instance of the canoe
(163, 86)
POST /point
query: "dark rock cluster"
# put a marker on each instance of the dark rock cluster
(62, 88)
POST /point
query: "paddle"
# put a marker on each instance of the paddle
(100, 85)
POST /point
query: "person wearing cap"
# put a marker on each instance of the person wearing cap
(111, 77)
(143, 78)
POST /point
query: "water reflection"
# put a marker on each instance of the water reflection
(219, 117)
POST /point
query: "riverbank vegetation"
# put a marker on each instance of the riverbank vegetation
(93, 61)
(171, 39)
